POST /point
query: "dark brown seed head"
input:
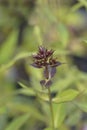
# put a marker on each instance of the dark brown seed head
(44, 57)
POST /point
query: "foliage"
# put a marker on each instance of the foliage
(54, 26)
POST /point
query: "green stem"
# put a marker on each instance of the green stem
(48, 76)
(51, 107)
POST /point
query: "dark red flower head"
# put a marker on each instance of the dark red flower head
(44, 58)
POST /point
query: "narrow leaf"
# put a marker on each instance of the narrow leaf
(64, 35)
(82, 106)
(18, 122)
(43, 96)
(66, 96)
(14, 60)
(7, 50)
(23, 85)
(26, 90)
(59, 114)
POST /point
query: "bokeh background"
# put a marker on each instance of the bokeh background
(60, 25)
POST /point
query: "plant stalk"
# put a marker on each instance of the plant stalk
(51, 108)
(48, 76)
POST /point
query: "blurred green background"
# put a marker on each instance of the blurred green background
(59, 25)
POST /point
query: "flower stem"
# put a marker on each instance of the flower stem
(51, 107)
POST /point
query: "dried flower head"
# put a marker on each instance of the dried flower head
(45, 59)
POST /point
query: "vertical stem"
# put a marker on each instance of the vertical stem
(49, 94)
(51, 107)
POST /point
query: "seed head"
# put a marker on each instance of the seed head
(44, 58)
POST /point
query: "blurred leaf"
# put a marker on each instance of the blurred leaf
(3, 121)
(20, 107)
(36, 73)
(62, 52)
(82, 106)
(27, 90)
(7, 50)
(38, 34)
(85, 41)
(59, 114)
(64, 127)
(22, 55)
(2, 109)
(48, 14)
(74, 118)
(83, 2)
(76, 7)
(23, 85)
(18, 122)
(66, 96)
(43, 96)
(66, 82)
(63, 34)
(5, 17)
(12, 62)
(33, 92)
(48, 129)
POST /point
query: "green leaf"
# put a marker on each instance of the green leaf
(7, 50)
(48, 129)
(59, 114)
(18, 122)
(26, 108)
(83, 2)
(74, 118)
(82, 106)
(43, 96)
(38, 34)
(20, 56)
(66, 96)
(85, 41)
(26, 90)
(64, 35)
(3, 121)
(76, 7)
(30, 91)
(2, 109)
(23, 85)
